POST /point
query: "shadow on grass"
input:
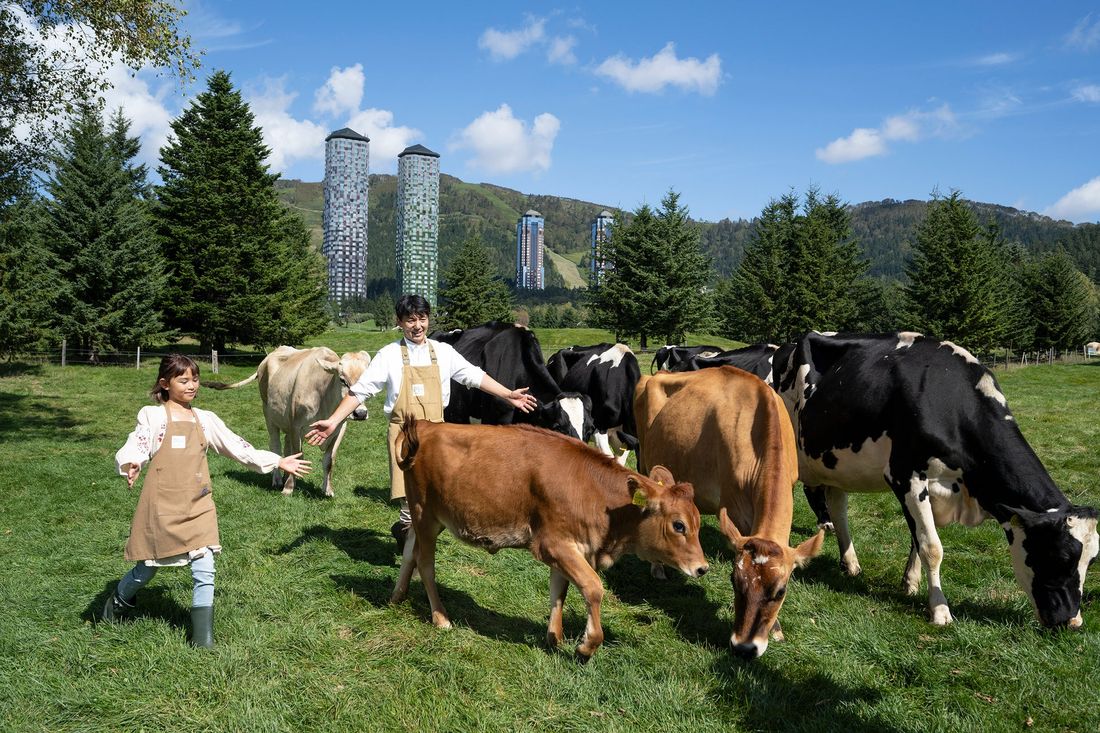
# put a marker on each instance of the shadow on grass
(151, 602)
(38, 417)
(305, 487)
(359, 544)
(767, 699)
(695, 616)
(462, 609)
(20, 369)
(379, 494)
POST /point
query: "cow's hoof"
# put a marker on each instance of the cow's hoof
(827, 526)
(851, 569)
(553, 639)
(941, 615)
(288, 490)
(440, 621)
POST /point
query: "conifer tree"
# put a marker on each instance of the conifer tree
(106, 252)
(240, 267)
(471, 294)
(27, 279)
(959, 287)
(655, 285)
(1062, 301)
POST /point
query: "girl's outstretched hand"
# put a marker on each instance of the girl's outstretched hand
(295, 465)
(132, 474)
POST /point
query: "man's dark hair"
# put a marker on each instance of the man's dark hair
(412, 305)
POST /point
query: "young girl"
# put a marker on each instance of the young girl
(175, 522)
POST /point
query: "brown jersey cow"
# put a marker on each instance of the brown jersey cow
(728, 433)
(574, 509)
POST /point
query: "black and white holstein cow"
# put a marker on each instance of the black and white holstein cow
(511, 355)
(607, 374)
(668, 357)
(924, 419)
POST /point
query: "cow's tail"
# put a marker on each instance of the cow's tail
(406, 450)
(223, 385)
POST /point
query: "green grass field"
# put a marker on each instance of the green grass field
(307, 642)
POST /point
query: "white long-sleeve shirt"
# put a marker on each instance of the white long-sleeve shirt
(384, 371)
(147, 437)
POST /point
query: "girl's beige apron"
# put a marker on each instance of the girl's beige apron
(420, 395)
(175, 513)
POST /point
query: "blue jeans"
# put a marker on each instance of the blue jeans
(202, 573)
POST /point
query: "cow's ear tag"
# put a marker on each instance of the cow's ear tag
(639, 498)
(660, 483)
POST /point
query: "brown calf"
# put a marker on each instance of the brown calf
(728, 433)
(519, 486)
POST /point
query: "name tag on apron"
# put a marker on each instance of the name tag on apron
(179, 441)
(418, 390)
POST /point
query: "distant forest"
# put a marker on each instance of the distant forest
(884, 229)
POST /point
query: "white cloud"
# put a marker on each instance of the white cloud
(505, 45)
(502, 144)
(664, 69)
(561, 50)
(290, 140)
(342, 92)
(386, 139)
(910, 127)
(149, 119)
(1080, 204)
(1085, 35)
(995, 59)
(864, 142)
(1087, 93)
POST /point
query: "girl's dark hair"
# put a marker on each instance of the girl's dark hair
(412, 305)
(172, 366)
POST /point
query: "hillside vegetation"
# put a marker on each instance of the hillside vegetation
(885, 229)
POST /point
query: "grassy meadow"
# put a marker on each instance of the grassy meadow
(306, 640)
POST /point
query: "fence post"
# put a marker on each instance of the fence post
(137, 364)
(214, 361)
(62, 352)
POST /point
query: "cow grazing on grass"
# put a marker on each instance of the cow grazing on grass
(297, 387)
(667, 357)
(766, 361)
(924, 419)
(727, 433)
(607, 374)
(511, 354)
(1092, 348)
(519, 486)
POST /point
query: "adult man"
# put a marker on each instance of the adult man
(428, 367)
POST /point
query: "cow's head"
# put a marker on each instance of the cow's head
(761, 570)
(1050, 553)
(669, 530)
(350, 367)
(570, 413)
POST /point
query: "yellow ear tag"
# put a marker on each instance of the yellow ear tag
(660, 483)
(639, 498)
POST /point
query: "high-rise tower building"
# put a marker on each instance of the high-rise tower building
(418, 222)
(347, 175)
(601, 234)
(529, 251)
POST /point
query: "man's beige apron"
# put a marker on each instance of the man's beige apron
(420, 395)
(175, 513)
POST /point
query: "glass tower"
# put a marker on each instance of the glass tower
(417, 239)
(344, 220)
(529, 251)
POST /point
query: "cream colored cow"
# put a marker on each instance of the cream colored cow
(297, 387)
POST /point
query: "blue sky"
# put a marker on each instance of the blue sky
(731, 104)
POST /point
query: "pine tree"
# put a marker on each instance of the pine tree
(685, 304)
(240, 269)
(801, 271)
(107, 256)
(655, 285)
(471, 294)
(959, 286)
(1062, 302)
(27, 279)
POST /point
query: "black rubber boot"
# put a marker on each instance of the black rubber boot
(400, 532)
(116, 609)
(202, 627)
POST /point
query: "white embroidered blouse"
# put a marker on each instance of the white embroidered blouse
(147, 437)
